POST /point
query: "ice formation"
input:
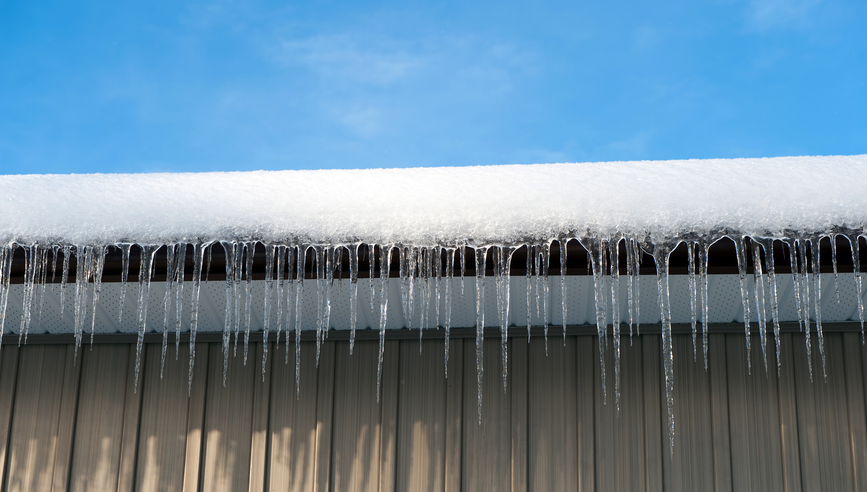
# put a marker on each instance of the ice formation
(434, 222)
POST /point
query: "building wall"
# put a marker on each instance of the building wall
(73, 422)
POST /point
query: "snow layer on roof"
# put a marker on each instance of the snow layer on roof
(484, 205)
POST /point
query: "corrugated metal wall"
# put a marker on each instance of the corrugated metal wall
(75, 424)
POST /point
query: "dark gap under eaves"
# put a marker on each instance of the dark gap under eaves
(721, 260)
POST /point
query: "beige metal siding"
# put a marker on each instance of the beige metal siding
(72, 421)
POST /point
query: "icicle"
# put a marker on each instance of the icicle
(424, 278)
(503, 266)
(43, 271)
(198, 256)
(64, 278)
(630, 293)
(371, 275)
(319, 255)
(855, 247)
(481, 253)
(384, 265)
(745, 295)
(144, 284)
(167, 303)
(546, 262)
(229, 249)
(563, 265)
(124, 276)
(537, 255)
(637, 257)
(614, 254)
(236, 292)
(463, 249)
(299, 296)
(6, 255)
(759, 291)
(438, 272)
(332, 256)
(281, 289)
(595, 248)
(768, 246)
(450, 274)
(83, 266)
(690, 252)
(31, 260)
(817, 298)
(805, 301)
(661, 255)
(180, 265)
(703, 248)
(270, 249)
(353, 293)
(248, 295)
(208, 267)
(529, 285)
(99, 258)
(796, 284)
(290, 292)
(833, 238)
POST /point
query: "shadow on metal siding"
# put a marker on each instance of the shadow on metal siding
(71, 421)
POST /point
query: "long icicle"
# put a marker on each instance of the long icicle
(250, 247)
(595, 247)
(661, 255)
(703, 248)
(229, 250)
(198, 257)
(855, 246)
(481, 254)
(450, 274)
(124, 277)
(805, 301)
(768, 247)
(270, 251)
(99, 268)
(144, 286)
(563, 265)
(693, 317)
(817, 298)
(353, 293)
(614, 255)
(299, 297)
(167, 303)
(180, 270)
(384, 267)
(759, 291)
(745, 295)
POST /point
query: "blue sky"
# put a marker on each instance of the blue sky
(242, 85)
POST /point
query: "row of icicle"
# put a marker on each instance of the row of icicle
(422, 271)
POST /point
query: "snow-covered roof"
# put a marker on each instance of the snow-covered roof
(446, 205)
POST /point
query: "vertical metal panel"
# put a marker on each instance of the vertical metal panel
(719, 406)
(553, 436)
(163, 428)
(518, 367)
(196, 419)
(789, 416)
(690, 467)
(39, 398)
(623, 429)
(421, 417)
(826, 459)
(857, 410)
(261, 400)
(8, 377)
(99, 425)
(754, 419)
(655, 416)
(293, 420)
(357, 431)
(487, 443)
(228, 423)
(390, 389)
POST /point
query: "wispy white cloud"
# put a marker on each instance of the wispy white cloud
(765, 15)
